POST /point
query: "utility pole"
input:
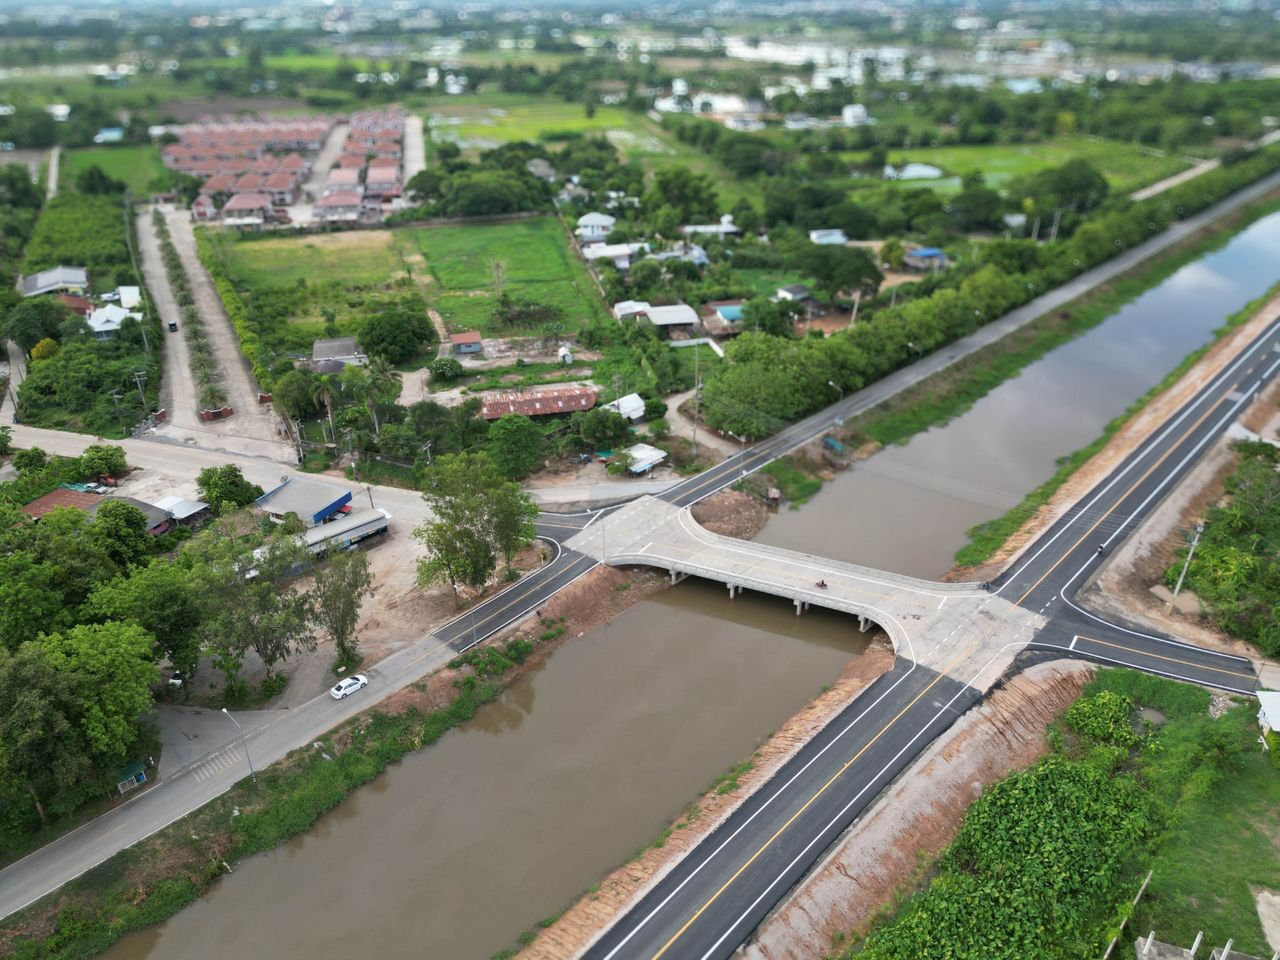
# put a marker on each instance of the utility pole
(245, 740)
(1186, 563)
(1053, 232)
(115, 398)
(140, 378)
(857, 302)
(697, 397)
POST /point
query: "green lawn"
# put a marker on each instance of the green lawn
(138, 166)
(536, 265)
(1127, 166)
(354, 257)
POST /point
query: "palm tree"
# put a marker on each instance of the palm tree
(322, 392)
(382, 377)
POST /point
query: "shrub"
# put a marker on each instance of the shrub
(1104, 717)
(445, 368)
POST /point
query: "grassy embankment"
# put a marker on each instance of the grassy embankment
(953, 391)
(155, 878)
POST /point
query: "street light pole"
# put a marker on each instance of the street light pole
(243, 739)
(835, 386)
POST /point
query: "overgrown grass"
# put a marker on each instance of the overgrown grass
(362, 257)
(139, 167)
(796, 483)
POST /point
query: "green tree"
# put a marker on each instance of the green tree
(976, 206)
(93, 180)
(226, 485)
(690, 196)
(512, 516)
(246, 604)
(6, 440)
(382, 385)
(395, 334)
(30, 600)
(114, 666)
(516, 444)
(102, 460)
(598, 429)
(835, 269)
(45, 349)
(340, 588)
(892, 253)
(294, 391)
(476, 514)
(161, 598)
(33, 320)
(120, 530)
(43, 746)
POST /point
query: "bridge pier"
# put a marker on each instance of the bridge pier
(863, 624)
(801, 606)
(733, 591)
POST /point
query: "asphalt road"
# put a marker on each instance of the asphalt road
(720, 892)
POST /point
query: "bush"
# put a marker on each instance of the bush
(445, 368)
(1104, 718)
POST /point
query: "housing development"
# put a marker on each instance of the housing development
(567, 480)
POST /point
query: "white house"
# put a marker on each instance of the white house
(629, 308)
(641, 458)
(831, 237)
(725, 228)
(129, 297)
(855, 115)
(620, 254)
(105, 321)
(631, 406)
(594, 226)
(794, 292)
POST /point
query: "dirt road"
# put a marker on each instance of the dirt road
(254, 428)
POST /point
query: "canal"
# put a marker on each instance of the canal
(456, 850)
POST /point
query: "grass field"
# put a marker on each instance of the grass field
(357, 257)
(486, 120)
(1126, 166)
(138, 166)
(537, 265)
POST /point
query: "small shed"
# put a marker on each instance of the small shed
(642, 458)
(629, 308)
(793, 291)
(631, 406)
(312, 500)
(469, 341)
(925, 258)
(184, 512)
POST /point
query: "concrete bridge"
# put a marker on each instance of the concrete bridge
(926, 621)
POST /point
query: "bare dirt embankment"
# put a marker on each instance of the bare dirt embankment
(910, 824)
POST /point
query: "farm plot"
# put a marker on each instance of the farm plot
(299, 289)
(529, 260)
(1127, 166)
(140, 168)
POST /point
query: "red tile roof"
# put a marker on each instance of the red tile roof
(245, 202)
(467, 336)
(222, 183)
(340, 198)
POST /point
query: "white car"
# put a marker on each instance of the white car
(348, 685)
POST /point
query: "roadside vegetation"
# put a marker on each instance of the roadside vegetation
(92, 607)
(1235, 571)
(1048, 859)
(158, 876)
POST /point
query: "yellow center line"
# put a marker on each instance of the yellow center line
(1121, 499)
(808, 803)
(1188, 663)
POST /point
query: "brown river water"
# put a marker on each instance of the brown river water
(456, 850)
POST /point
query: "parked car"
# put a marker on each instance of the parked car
(348, 685)
(173, 326)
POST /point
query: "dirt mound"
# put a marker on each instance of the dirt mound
(732, 513)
